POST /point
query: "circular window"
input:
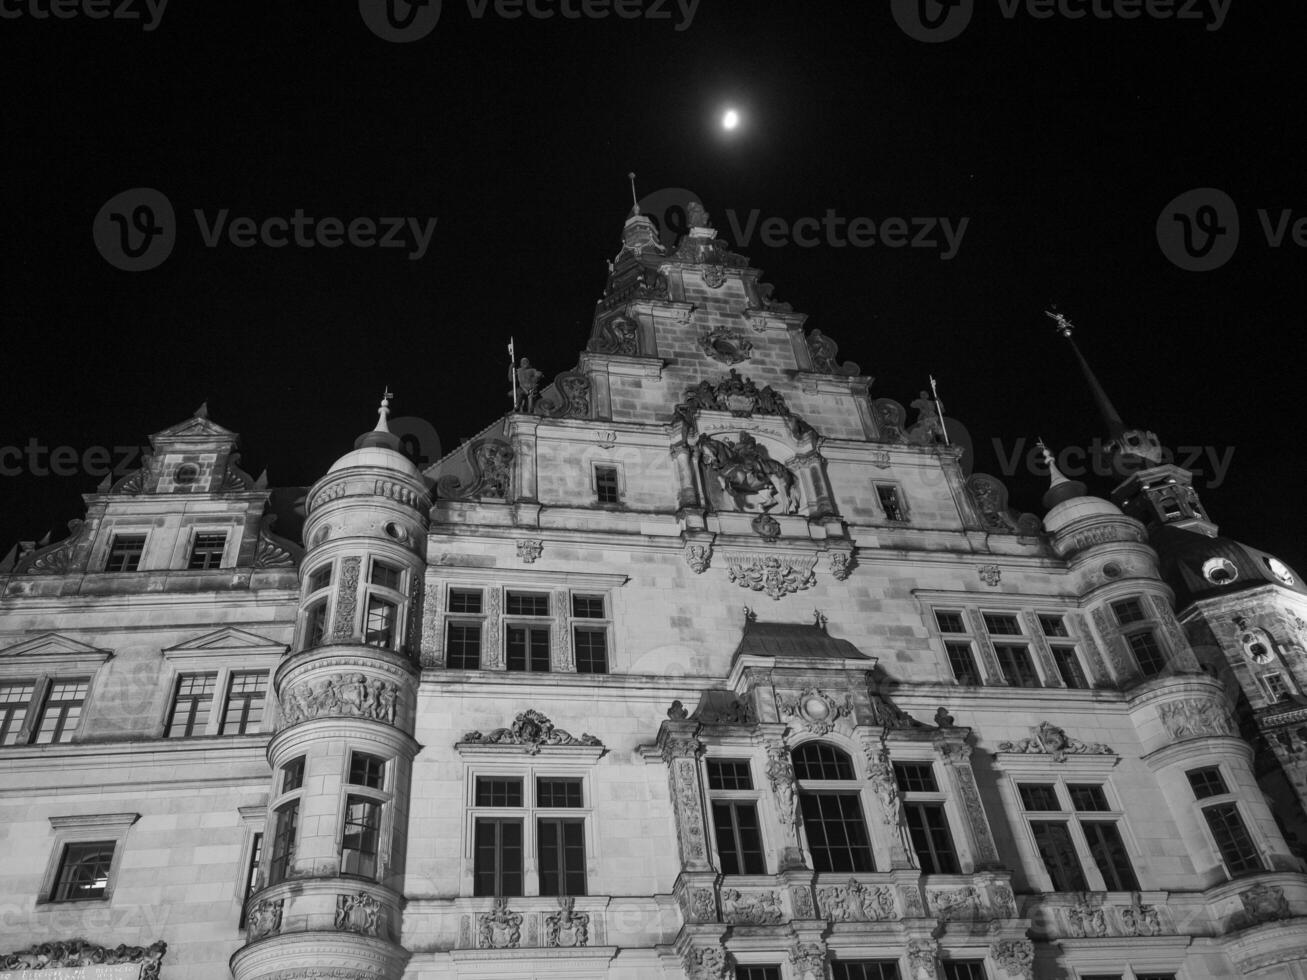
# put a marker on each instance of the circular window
(321, 534)
(186, 474)
(396, 532)
(1112, 570)
(1281, 571)
(1220, 571)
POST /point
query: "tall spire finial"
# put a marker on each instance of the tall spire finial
(1060, 488)
(635, 199)
(383, 412)
(1111, 418)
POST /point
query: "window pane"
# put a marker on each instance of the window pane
(949, 622)
(1059, 856)
(1109, 854)
(588, 606)
(964, 970)
(591, 650)
(244, 711)
(62, 711)
(558, 792)
(916, 777)
(890, 503)
(292, 775)
(465, 600)
(865, 970)
(83, 872)
(283, 841)
(251, 874)
(1147, 653)
(1069, 669)
(1053, 626)
(320, 578)
(1207, 782)
(931, 839)
(362, 837)
(606, 486)
(1002, 624)
(963, 663)
(1088, 798)
(463, 646)
(385, 575)
(315, 624)
(837, 835)
(497, 864)
(1018, 668)
(492, 791)
(1236, 847)
(1128, 611)
(739, 842)
(729, 774)
(528, 648)
(125, 553)
(381, 619)
(562, 856)
(367, 770)
(14, 702)
(817, 760)
(191, 705)
(1039, 796)
(207, 550)
(528, 604)
(757, 973)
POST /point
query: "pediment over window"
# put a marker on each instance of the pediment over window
(531, 733)
(226, 647)
(53, 650)
(227, 638)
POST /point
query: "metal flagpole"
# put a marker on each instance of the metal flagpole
(939, 408)
(512, 370)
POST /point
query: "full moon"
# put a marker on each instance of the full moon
(731, 120)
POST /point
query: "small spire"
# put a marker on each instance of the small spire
(634, 197)
(1060, 488)
(381, 435)
(202, 412)
(1111, 418)
(383, 412)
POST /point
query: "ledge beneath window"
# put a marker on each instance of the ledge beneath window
(596, 956)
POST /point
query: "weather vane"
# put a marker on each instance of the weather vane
(1064, 325)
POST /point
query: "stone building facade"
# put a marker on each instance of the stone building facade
(703, 663)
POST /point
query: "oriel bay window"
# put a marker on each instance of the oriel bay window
(365, 797)
(735, 817)
(1137, 628)
(385, 597)
(831, 805)
(1224, 821)
(517, 816)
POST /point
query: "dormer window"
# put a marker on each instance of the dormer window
(207, 550)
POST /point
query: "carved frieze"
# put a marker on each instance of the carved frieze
(78, 952)
(341, 696)
(856, 902)
(689, 811)
(751, 908)
(947, 904)
(500, 928)
(492, 649)
(1194, 718)
(567, 928)
(1047, 739)
(801, 902)
(399, 492)
(1263, 903)
(531, 731)
(772, 575)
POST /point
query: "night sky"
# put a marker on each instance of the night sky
(1060, 140)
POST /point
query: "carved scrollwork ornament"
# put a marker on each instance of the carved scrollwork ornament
(816, 710)
(500, 928)
(809, 960)
(923, 959)
(531, 730)
(567, 928)
(1015, 957)
(1047, 739)
(359, 913)
(698, 557)
(726, 346)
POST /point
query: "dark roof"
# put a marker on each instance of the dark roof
(1183, 554)
(794, 640)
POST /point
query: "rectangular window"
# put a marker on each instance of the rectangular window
(606, 486)
(83, 872)
(285, 827)
(964, 970)
(320, 578)
(949, 622)
(757, 973)
(963, 663)
(891, 503)
(837, 835)
(1129, 611)
(559, 793)
(1018, 669)
(1069, 669)
(1053, 626)
(206, 551)
(1089, 799)
(1207, 782)
(1147, 653)
(1232, 839)
(125, 553)
(916, 777)
(62, 711)
(466, 601)
(1039, 797)
(1059, 856)
(528, 604)
(739, 841)
(528, 648)
(561, 843)
(251, 874)
(588, 606)
(315, 624)
(367, 770)
(1002, 624)
(1154, 976)
(497, 862)
(292, 775)
(729, 774)
(385, 575)
(244, 712)
(1110, 855)
(1275, 687)
(492, 791)
(463, 646)
(928, 828)
(865, 970)
(362, 838)
(591, 649)
(15, 699)
(191, 705)
(379, 630)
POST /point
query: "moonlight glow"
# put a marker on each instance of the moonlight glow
(731, 120)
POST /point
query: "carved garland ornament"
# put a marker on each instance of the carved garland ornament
(772, 575)
(1047, 739)
(529, 549)
(809, 961)
(923, 959)
(706, 963)
(79, 952)
(531, 730)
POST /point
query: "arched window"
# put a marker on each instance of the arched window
(831, 804)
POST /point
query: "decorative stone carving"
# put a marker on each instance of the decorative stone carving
(492, 648)
(56, 559)
(347, 598)
(824, 350)
(726, 345)
(1193, 718)
(264, 918)
(1141, 920)
(686, 802)
(991, 575)
(724, 708)
(754, 909)
(747, 476)
(529, 549)
(780, 774)
(1047, 739)
(945, 720)
(677, 712)
(841, 564)
(567, 927)
(1015, 957)
(714, 276)
(703, 905)
(531, 730)
(1264, 903)
(499, 928)
(698, 557)
(567, 398)
(739, 396)
(1087, 918)
(619, 335)
(892, 418)
(1122, 667)
(491, 463)
(341, 696)
(706, 963)
(809, 961)
(396, 491)
(801, 902)
(772, 575)
(856, 902)
(78, 952)
(947, 904)
(990, 499)
(815, 710)
(923, 959)
(359, 913)
(766, 527)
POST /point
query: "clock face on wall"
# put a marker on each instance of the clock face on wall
(1281, 571)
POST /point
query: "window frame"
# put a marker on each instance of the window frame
(212, 699)
(600, 625)
(461, 618)
(733, 797)
(854, 788)
(192, 540)
(1074, 820)
(619, 482)
(63, 735)
(381, 798)
(900, 500)
(230, 698)
(229, 658)
(1230, 799)
(922, 801)
(125, 531)
(372, 592)
(101, 828)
